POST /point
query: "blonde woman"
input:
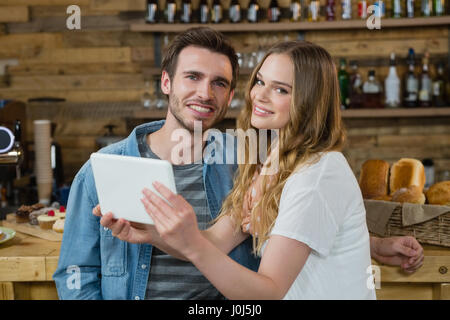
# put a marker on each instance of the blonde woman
(308, 219)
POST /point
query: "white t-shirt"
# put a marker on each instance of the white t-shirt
(321, 205)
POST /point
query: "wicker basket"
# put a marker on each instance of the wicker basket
(435, 231)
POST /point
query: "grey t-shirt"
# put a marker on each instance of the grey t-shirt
(169, 277)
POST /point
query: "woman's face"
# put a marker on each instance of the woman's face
(272, 92)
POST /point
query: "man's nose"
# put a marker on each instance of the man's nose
(204, 91)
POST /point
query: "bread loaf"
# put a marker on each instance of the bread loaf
(405, 173)
(439, 193)
(373, 179)
(412, 194)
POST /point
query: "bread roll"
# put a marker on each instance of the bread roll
(412, 194)
(405, 173)
(439, 193)
(373, 179)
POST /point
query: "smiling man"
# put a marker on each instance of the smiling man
(199, 72)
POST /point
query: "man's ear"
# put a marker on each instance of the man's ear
(231, 97)
(165, 82)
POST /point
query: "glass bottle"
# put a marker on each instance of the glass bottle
(372, 92)
(346, 9)
(396, 8)
(439, 7)
(171, 10)
(234, 12)
(343, 83)
(252, 11)
(273, 12)
(439, 85)
(203, 12)
(146, 98)
(216, 12)
(152, 11)
(330, 10)
(296, 10)
(409, 8)
(425, 84)
(186, 11)
(381, 8)
(355, 88)
(314, 10)
(392, 85)
(362, 9)
(426, 8)
(411, 82)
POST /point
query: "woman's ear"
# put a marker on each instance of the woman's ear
(165, 82)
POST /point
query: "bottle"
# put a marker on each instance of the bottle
(314, 9)
(372, 92)
(426, 8)
(396, 7)
(425, 93)
(355, 88)
(152, 11)
(186, 11)
(343, 83)
(146, 98)
(439, 7)
(203, 12)
(380, 8)
(428, 166)
(330, 10)
(296, 10)
(216, 12)
(346, 9)
(273, 12)
(439, 87)
(410, 8)
(362, 9)
(392, 85)
(411, 82)
(171, 10)
(234, 11)
(252, 11)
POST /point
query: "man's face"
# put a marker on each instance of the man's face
(200, 89)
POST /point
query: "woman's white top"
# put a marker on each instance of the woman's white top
(321, 206)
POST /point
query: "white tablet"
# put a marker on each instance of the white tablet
(119, 181)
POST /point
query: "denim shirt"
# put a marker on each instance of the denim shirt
(93, 264)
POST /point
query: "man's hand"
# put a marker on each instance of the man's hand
(404, 252)
(124, 230)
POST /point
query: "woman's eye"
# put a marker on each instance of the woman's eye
(281, 90)
(259, 82)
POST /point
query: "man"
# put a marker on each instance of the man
(199, 76)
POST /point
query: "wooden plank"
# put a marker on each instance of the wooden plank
(22, 269)
(61, 11)
(100, 38)
(400, 112)
(45, 2)
(14, 14)
(32, 230)
(6, 291)
(119, 5)
(414, 140)
(51, 263)
(403, 291)
(28, 45)
(35, 291)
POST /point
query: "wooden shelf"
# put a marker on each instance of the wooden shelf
(346, 114)
(292, 26)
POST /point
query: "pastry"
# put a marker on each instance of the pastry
(412, 194)
(46, 221)
(405, 173)
(23, 214)
(373, 179)
(58, 226)
(439, 193)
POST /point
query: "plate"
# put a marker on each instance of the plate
(7, 234)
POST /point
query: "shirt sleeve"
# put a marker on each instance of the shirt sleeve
(305, 216)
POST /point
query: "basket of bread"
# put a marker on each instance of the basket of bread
(397, 203)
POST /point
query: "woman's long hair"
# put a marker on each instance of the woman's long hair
(315, 126)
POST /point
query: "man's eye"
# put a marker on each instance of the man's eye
(221, 84)
(192, 77)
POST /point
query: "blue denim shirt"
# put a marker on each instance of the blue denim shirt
(95, 265)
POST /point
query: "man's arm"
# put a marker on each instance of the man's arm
(79, 267)
(405, 252)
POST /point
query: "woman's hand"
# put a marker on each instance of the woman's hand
(124, 230)
(175, 220)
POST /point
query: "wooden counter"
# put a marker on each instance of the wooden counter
(27, 264)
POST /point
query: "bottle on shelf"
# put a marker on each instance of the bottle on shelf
(296, 10)
(273, 12)
(186, 11)
(146, 98)
(314, 10)
(380, 8)
(392, 85)
(426, 8)
(152, 11)
(330, 10)
(234, 12)
(425, 84)
(343, 83)
(171, 10)
(372, 92)
(355, 87)
(362, 9)
(216, 12)
(411, 82)
(203, 11)
(409, 7)
(439, 85)
(346, 9)
(253, 11)
(439, 7)
(396, 8)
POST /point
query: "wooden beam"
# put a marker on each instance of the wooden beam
(14, 14)
(119, 5)
(28, 45)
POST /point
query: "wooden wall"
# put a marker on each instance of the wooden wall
(100, 66)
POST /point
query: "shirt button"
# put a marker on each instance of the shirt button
(144, 266)
(137, 298)
(105, 228)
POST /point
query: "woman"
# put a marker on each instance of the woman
(308, 219)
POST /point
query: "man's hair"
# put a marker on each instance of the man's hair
(202, 37)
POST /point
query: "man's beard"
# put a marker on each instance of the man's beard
(175, 107)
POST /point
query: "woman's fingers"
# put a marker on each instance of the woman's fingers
(161, 220)
(158, 202)
(96, 211)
